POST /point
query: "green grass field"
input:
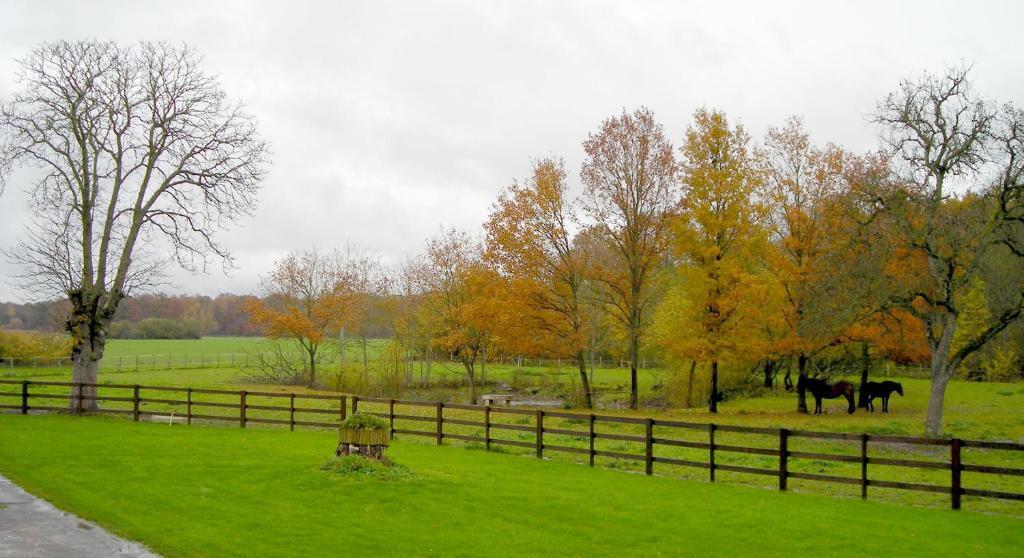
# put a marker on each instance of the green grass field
(207, 491)
(132, 347)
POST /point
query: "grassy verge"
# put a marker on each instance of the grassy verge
(206, 491)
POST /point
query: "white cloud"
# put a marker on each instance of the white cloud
(389, 119)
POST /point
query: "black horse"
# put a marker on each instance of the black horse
(883, 390)
(821, 389)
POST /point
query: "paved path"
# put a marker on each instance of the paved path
(32, 528)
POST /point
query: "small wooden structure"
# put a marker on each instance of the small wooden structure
(492, 398)
(367, 442)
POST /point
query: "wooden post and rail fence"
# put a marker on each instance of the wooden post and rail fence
(654, 430)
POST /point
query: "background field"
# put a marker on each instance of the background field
(234, 361)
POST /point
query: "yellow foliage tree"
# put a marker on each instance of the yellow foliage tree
(713, 237)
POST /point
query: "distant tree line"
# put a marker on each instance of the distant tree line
(148, 316)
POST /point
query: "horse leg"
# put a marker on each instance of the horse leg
(885, 403)
(817, 405)
(849, 398)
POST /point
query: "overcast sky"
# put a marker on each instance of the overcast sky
(388, 120)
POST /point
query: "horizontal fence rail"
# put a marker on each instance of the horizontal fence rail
(428, 420)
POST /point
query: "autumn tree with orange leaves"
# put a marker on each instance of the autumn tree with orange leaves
(462, 299)
(530, 240)
(307, 298)
(802, 189)
(631, 191)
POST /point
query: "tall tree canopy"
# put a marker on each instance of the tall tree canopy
(530, 239)
(140, 154)
(715, 233)
(631, 192)
(959, 199)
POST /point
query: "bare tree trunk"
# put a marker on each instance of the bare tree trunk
(430, 366)
(634, 356)
(312, 368)
(341, 349)
(85, 370)
(689, 384)
(713, 407)
(865, 363)
(87, 325)
(941, 374)
(471, 376)
(801, 392)
(769, 373)
(587, 398)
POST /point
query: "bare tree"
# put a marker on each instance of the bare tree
(142, 158)
(959, 198)
(631, 189)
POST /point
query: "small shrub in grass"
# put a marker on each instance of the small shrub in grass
(355, 466)
(365, 421)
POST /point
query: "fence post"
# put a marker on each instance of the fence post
(864, 466)
(135, 402)
(24, 397)
(355, 404)
(344, 407)
(592, 437)
(955, 467)
(711, 451)
(291, 411)
(487, 427)
(440, 422)
(188, 408)
(649, 453)
(783, 457)
(391, 417)
(241, 408)
(540, 433)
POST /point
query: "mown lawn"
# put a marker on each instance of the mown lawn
(208, 491)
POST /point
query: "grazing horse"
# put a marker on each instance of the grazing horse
(883, 390)
(821, 389)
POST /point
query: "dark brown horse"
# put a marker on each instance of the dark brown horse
(881, 389)
(821, 389)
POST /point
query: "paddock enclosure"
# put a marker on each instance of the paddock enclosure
(985, 475)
